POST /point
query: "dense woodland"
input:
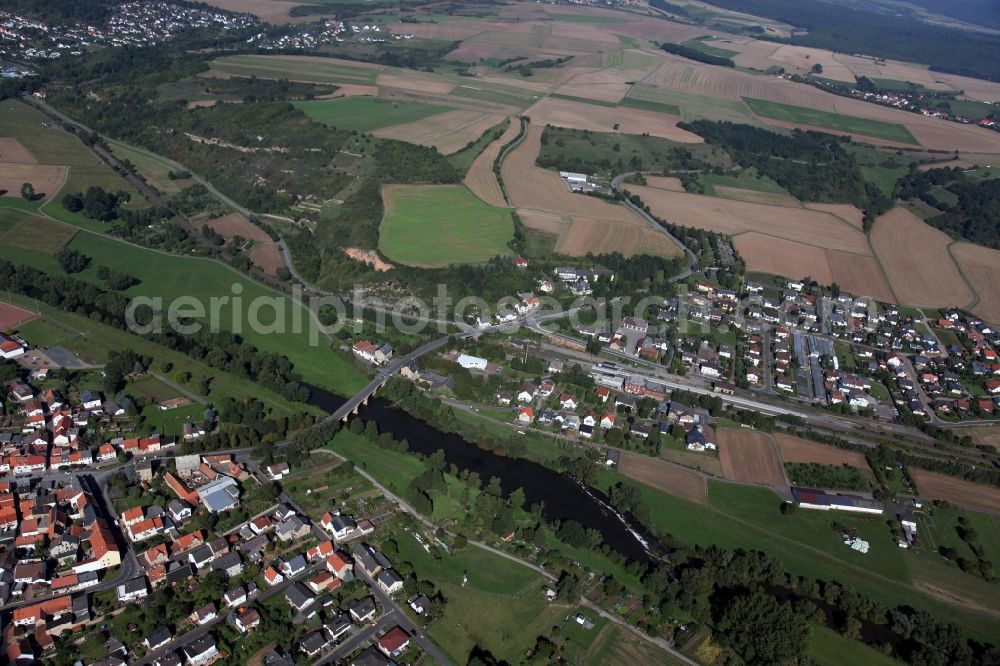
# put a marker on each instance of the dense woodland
(695, 54)
(851, 29)
(813, 166)
(975, 213)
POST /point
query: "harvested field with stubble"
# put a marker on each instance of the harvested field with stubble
(45, 178)
(846, 212)
(265, 253)
(590, 235)
(797, 450)
(583, 223)
(672, 479)
(734, 217)
(480, 177)
(750, 456)
(669, 183)
(449, 132)
(981, 266)
(11, 150)
(596, 118)
(917, 262)
(975, 496)
(857, 273)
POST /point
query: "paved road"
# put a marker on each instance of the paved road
(616, 183)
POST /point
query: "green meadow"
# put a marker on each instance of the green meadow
(834, 121)
(366, 114)
(435, 226)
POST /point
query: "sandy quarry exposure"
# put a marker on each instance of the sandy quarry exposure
(480, 177)
(917, 262)
(797, 450)
(449, 132)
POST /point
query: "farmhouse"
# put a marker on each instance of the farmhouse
(808, 498)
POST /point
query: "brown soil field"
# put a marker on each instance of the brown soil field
(45, 178)
(540, 189)
(804, 58)
(734, 217)
(975, 496)
(264, 253)
(659, 474)
(689, 76)
(12, 316)
(369, 257)
(449, 132)
(669, 183)
(587, 234)
(579, 115)
(753, 196)
(11, 150)
(201, 103)
(351, 90)
(414, 81)
(917, 262)
(797, 450)
(981, 266)
(750, 456)
(480, 177)
(846, 212)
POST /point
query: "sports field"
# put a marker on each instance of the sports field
(365, 114)
(438, 225)
(834, 121)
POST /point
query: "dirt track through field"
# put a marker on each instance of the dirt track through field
(797, 450)
(659, 474)
(480, 177)
(916, 259)
(751, 457)
(975, 496)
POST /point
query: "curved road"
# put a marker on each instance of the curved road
(616, 183)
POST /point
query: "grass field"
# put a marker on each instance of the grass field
(171, 421)
(749, 518)
(434, 226)
(498, 94)
(828, 648)
(692, 105)
(365, 114)
(170, 277)
(649, 105)
(396, 470)
(884, 177)
(153, 170)
(92, 341)
(701, 45)
(33, 232)
(297, 68)
(501, 608)
(834, 121)
(50, 144)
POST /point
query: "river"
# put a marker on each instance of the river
(561, 497)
